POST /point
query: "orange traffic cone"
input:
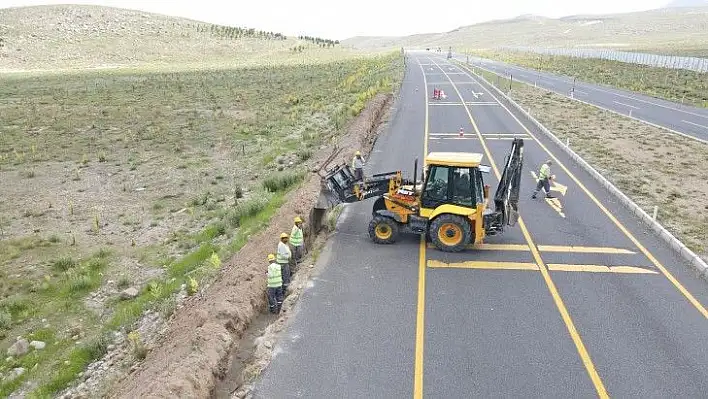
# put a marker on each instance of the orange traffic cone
(462, 133)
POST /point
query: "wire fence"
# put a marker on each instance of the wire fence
(695, 64)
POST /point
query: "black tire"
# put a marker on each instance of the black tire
(456, 233)
(383, 230)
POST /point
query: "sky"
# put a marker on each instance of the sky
(339, 20)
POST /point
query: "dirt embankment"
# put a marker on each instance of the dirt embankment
(199, 339)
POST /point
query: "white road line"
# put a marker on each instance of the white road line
(626, 105)
(695, 124)
(576, 91)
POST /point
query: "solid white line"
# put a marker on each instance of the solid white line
(626, 105)
(580, 92)
(695, 124)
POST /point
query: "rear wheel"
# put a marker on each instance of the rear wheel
(383, 230)
(450, 233)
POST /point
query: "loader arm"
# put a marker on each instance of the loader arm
(506, 198)
(340, 186)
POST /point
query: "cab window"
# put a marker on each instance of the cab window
(436, 188)
(463, 192)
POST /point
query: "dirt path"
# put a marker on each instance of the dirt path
(197, 345)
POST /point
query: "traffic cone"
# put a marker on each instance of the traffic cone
(462, 133)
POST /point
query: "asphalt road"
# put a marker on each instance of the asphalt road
(577, 300)
(682, 119)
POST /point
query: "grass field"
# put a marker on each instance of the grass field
(675, 85)
(122, 180)
(638, 159)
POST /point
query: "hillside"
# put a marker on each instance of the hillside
(70, 36)
(665, 28)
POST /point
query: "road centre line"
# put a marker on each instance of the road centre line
(626, 105)
(617, 223)
(565, 315)
(694, 124)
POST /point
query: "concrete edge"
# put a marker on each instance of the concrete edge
(689, 256)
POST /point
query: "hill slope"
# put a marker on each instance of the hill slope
(70, 36)
(682, 27)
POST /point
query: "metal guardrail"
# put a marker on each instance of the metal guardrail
(695, 64)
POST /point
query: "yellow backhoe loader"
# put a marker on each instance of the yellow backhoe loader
(450, 206)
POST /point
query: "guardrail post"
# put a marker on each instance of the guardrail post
(656, 211)
(567, 141)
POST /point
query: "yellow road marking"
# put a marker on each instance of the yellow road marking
(578, 249)
(548, 248)
(420, 314)
(584, 355)
(614, 220)
(420, 325)
(556, 205)
(555, 186)
(530, 266)
(600, 269)
(484, 265)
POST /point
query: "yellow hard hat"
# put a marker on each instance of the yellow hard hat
(297, 219)
(284, 235)
(357, 153)
(271, 257)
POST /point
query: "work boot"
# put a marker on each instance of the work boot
(549, 196)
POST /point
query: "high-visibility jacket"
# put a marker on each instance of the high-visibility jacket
(545, 172)
(296, 237)
(283, 255)
(275, 275)
(358, 163)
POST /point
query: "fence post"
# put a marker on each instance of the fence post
(656, 211)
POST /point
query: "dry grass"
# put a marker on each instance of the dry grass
(69, 36)
(114, 179)
(651, 166)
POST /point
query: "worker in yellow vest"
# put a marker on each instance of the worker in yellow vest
(544, 180)
(275, 285)
(283, 257)
(297, 240)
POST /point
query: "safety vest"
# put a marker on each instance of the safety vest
(296, 236)
(283, 255)
(545, 172)
(357, 163)
(275, 276)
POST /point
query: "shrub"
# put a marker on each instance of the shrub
(282, 181)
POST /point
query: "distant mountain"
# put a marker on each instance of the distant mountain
(687, 3)
(663, 29)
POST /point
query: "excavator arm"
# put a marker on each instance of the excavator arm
(506, 198)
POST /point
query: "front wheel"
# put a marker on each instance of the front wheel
(383, 230)
(450, 233)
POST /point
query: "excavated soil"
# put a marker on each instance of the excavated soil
(196, 347)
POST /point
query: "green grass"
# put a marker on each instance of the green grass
(671, 84)
(181, 155)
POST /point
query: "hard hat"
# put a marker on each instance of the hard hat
(357, 153)
(284, 235)
(297, 219)
(549, 162)
(271, 257)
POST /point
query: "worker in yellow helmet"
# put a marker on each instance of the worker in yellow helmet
(358, 165)
(275, 285)
(297, 240)
(283, 257)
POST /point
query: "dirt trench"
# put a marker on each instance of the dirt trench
(197, 346)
